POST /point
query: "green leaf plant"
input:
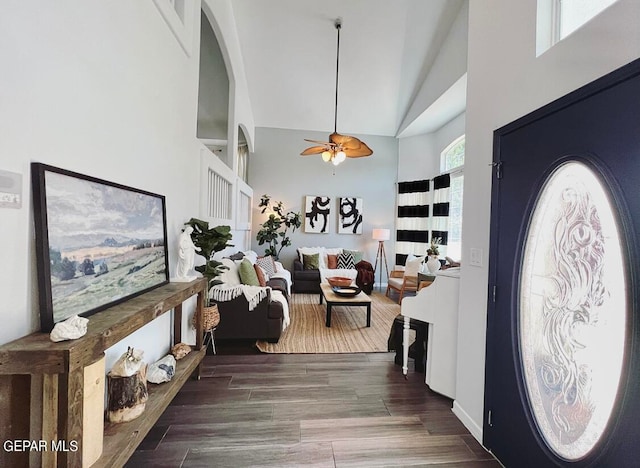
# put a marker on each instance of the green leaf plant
(210, 241)
(275, 230)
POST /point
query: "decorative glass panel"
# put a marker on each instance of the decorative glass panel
(572, 310)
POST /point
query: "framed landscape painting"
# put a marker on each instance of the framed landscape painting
(316, 214)
(98, 243)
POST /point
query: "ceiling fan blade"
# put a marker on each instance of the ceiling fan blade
(317, 141)
(314, 150)
(364, 150)
(352, 146)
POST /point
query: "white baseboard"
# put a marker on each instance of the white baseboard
(469, 423)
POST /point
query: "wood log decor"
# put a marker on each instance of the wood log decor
(127, 396)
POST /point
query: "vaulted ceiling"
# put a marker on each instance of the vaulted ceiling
(386, 50)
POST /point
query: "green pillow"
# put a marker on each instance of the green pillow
(248, 273)
(311, 261)
(357, 255)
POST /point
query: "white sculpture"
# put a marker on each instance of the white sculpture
(186, 256)
(70, 329)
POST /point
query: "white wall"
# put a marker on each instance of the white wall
(277, 169)
(419, 155)
(220, 15)
(506, 81)
(103, 89)
(448, 67)
(213, 89)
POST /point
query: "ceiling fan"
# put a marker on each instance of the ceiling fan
(339, 147)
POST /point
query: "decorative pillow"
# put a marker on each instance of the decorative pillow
(260, 274)
(311, 261)
(413, 266)
(310, 251)
(267, 264)
(357, 255)
(248, 273)
(229, 276)
(332, 262)
(251, 255)
(324, 256)
(345, 260)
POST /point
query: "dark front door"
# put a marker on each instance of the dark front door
(563, 332)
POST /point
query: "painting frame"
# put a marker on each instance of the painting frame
(350, 215)
(317, 214)
(119, 232)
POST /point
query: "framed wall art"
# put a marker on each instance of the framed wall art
(350, 216)
(316, 214)
(98, 243)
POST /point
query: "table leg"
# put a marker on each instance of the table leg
(368, 315)
(405, 346)
(328, 314)
(320, 297)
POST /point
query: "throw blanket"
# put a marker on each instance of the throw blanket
(279, 297)
(253, 294)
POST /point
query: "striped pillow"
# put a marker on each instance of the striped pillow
(345, 260)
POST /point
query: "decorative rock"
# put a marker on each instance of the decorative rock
(180, 350)
(128, 364)
(72, 328)
(162, 370)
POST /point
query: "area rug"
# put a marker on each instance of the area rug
(348, 333)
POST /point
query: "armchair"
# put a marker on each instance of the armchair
(405, 280)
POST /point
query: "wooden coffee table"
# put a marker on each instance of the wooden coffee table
(333, 299)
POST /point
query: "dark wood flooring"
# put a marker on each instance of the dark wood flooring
(318, 410)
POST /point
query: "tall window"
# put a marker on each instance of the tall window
(452, 162)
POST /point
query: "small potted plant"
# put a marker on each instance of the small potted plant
(275, 229)
(432, 262)
(209, 240)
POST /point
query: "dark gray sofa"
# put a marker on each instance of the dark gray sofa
(305, 281)
(262, 323)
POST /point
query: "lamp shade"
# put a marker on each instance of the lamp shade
(381, 234)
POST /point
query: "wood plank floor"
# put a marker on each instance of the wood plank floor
(317, 410)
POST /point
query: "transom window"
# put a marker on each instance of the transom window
(574, 13)
(557, 19)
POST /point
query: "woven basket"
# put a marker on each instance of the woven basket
(210, 317)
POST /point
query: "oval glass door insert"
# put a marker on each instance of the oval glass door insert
(572, 310)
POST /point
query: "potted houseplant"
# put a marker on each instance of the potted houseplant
(274, 231)
(209, 241)
(432, 262)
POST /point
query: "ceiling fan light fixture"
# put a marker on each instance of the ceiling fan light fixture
(339, 147)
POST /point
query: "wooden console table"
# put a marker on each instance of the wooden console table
(52, 373)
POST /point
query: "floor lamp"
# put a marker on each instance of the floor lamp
(381, 235)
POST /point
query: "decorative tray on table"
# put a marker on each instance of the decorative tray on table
(346, 291)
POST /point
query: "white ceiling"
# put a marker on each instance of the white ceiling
(386, 50)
